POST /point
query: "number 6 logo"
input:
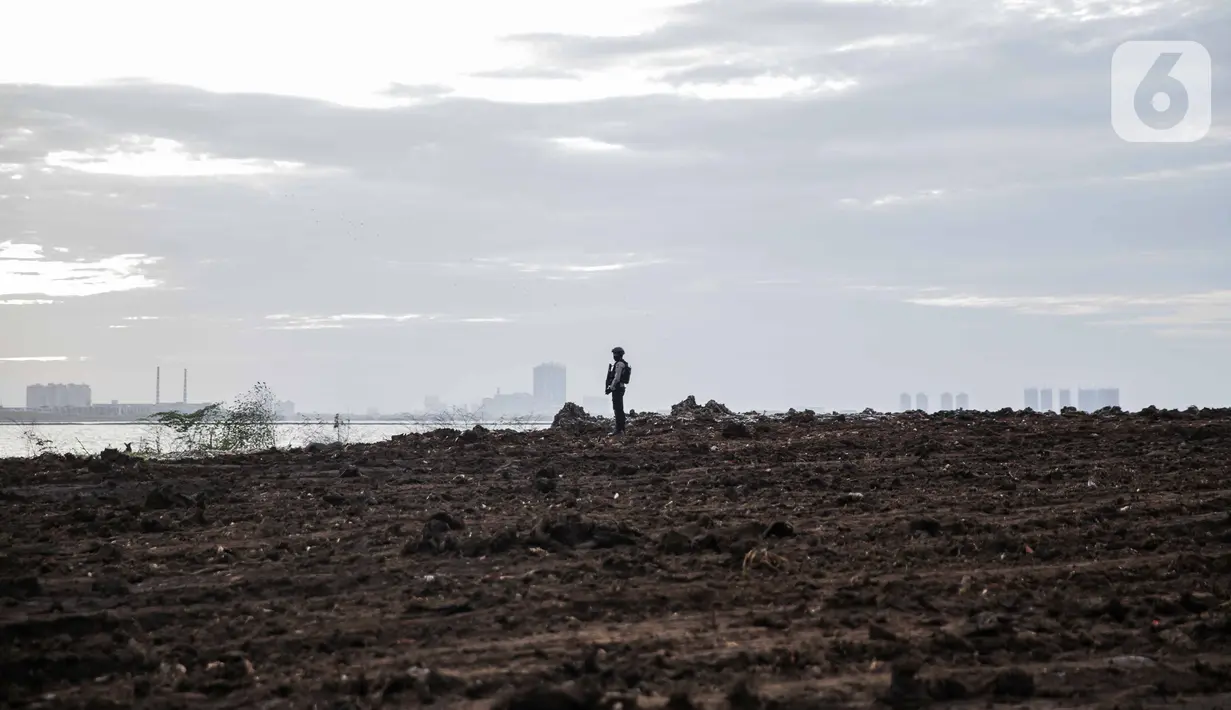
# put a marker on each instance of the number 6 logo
(1161, 92)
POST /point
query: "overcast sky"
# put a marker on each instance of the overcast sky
(772, 203)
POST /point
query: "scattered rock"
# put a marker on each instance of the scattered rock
(780, 528)
(351, 471)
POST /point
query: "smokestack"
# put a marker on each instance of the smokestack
(185, 400)
(158, 385)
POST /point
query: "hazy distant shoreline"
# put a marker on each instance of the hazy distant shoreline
(352, 422)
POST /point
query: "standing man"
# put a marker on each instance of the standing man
(618, 374)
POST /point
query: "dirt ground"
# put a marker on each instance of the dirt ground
(957, 560)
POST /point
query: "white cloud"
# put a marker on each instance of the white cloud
(287, 321)
(143, 156)
(587, 145)
(372, 43)
(27, 302)
(1172, 312)
(24, 271)
(49, 358)
(559, 270)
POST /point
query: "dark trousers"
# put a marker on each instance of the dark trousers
(617, 405)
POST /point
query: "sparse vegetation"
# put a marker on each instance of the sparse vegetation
(319, 431)
(36, 443)
(248, 424)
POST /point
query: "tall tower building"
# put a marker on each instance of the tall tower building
(1032, 398)
(904, 402)
(946, 402)
(550, 392)
(1045, 404)
(1066, 398)
(921, 402)
(963, 401)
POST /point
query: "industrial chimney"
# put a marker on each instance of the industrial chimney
(185, 400)
(158, 385)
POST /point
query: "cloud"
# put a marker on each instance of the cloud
(24, 271)
(1171, 314)
(26, 302)
(286, 321)
(667, 172)
(48, 358)
(587, 145)
(143, 156)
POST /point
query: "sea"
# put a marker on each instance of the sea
(18, 440)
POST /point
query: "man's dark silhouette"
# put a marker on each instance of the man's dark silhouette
(616, 380)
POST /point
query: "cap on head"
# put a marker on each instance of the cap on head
(617, 350)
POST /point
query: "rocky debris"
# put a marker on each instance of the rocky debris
(688, 408)
(574, 531)
(437, 535)
(573, 419)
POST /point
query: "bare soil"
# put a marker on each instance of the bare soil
(899, 561)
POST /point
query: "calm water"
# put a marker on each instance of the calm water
(19, 440)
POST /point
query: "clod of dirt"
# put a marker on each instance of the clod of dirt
(445, 521)
(688, 407)
(573, 419)
(351, 471)
(1013, 683)
(674, 542)
(780, 528)
(425, 683)
(546, 698)
(736, 430)
(107, 553)
(925, 525)
(744, 696)
(681, 700)
(906, 691)
(573, 531)
(876, 632)
(20, 587)
(163, 498)
(155, 524)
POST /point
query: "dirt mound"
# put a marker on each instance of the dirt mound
(711, 561)
(689, 408)
(573, 419)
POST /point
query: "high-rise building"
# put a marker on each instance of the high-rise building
(1032, 398)
(550, 392)
(921, 402)
(904, 402)
(57, 396)
(963, 401)
(1066, 398)
(946, 402)
(1045, 400)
